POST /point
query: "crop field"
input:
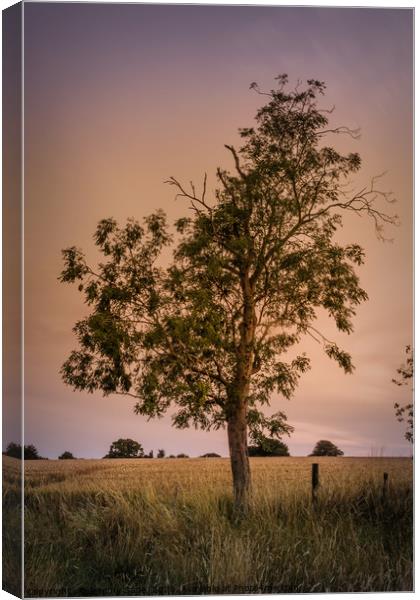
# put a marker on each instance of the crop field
(165, 526)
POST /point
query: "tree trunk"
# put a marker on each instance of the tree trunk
(238, 448)
(238, 401)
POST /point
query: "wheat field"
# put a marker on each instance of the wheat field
(165, 526)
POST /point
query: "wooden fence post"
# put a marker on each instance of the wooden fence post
(315, 480)
(385, 486)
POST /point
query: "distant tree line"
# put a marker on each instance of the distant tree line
(128, 448)
(29, 452)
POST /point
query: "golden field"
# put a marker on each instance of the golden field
(165, 526)
(281, 475)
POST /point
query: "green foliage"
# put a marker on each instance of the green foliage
(161, 453)
(252, 268)
(66, 456)
(267, 446)
(406, 371)
(406, 412)
(326, 448)
(125, 448)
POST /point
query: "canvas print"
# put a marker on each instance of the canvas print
(208, 299)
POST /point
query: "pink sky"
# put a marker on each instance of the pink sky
(120, 97)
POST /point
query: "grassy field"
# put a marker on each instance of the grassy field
(146, 527)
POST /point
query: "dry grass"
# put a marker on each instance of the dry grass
(165, 526)
(12, 525)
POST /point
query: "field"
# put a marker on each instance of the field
(165, 526)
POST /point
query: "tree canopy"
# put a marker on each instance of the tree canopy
(66, 456)
(30, 452)
(326, 448)
(252, 266)
(125, 448)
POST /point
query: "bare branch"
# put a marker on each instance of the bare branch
(353, 133)
(236, 159)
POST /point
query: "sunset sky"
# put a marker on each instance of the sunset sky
(120, 97)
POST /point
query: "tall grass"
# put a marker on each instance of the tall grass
(149, 527)
(12, 526)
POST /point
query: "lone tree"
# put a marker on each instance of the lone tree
(66, 456)
(252, 266)
(326, 448)
(267, 446)
(406, 412)
(125, 448)
(161, 453)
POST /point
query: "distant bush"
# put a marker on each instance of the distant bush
(125, 448)
(326, 448)
(161, 453)
(210, 455)
(66, 456)
(182, 455)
